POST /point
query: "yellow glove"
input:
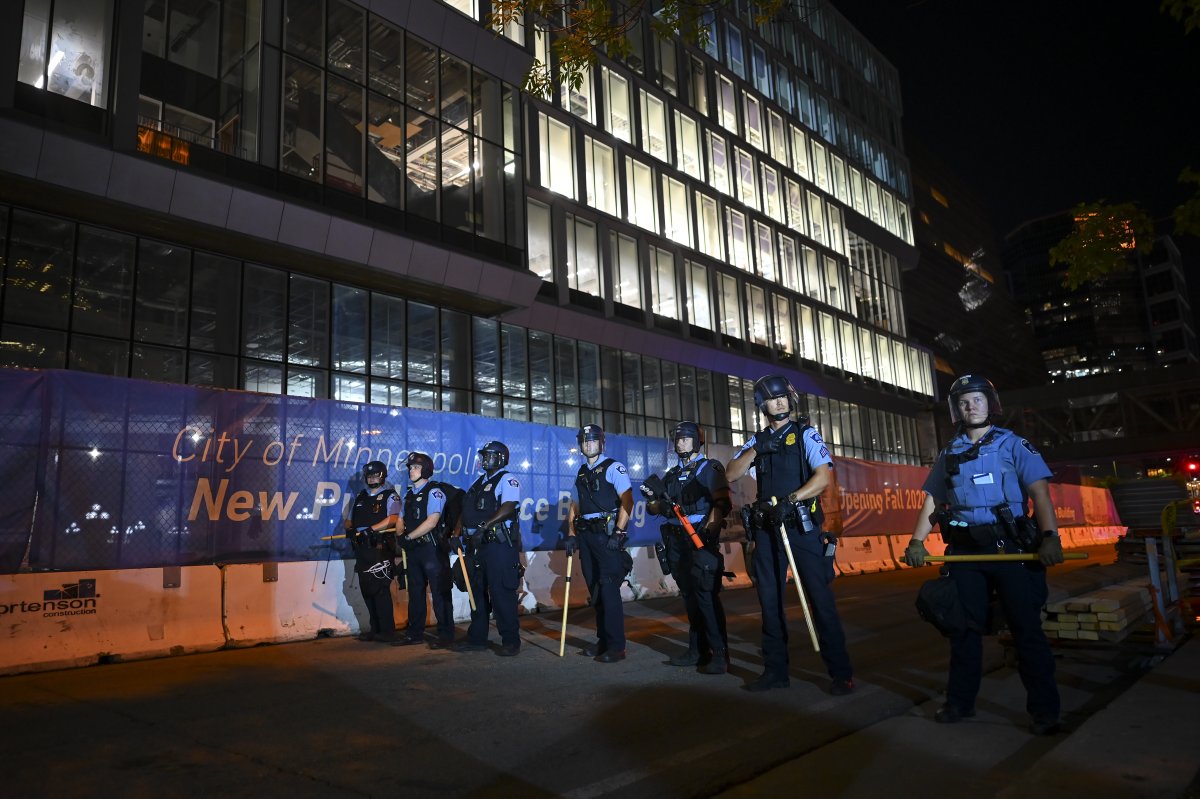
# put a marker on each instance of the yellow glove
(916, 553)
(1050, 553)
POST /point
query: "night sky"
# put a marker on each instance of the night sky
(1041, 105)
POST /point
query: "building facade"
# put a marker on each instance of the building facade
(326, 199)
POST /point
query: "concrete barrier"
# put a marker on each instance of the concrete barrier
(864, 555)
(63, 619)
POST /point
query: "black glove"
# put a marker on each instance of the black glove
(782, 513)
(571, 545)
(711, 535)
(456, 543)
(616, 541)
(1050, 553)
(765, 443)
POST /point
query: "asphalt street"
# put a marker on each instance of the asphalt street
(337, 717)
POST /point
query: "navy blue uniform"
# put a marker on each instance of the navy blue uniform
(373, 553)
(495, 561)
(970, 495)
(428, 565)
(800, 452)
(598, 489)
(695, 486)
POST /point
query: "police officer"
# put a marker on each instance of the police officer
(696, 486)
(598, 524)
(428, 560)
(492, 540)
(792, 464)
(977, 493)
(376, 508)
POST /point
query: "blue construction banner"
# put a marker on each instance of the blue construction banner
(102, 472)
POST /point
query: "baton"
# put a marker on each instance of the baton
(999, 556)
(562, 637)
(404, 567)
(343, 535)
(462, 562)
(787, 547)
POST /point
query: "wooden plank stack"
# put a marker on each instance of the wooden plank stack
(1107, 614)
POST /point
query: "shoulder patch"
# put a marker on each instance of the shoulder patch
(1030, 447)
(620, 469)
(512, 481)
(824, 452)
(437, 492)
(817, 437)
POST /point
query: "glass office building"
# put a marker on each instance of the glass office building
(328, 199)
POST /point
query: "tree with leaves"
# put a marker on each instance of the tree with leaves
(578, 30)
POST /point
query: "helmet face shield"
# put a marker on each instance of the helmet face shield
(423, 462)
(590, 432)
(773, 387)
(493, 456)
(375, 474)
(685, 431)
(968, 384)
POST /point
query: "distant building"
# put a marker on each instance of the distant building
(1134, 319)
(956, 298)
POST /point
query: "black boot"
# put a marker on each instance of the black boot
(718, 664)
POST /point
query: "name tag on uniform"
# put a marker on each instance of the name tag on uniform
(982, 479)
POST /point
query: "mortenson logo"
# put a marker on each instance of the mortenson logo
(72, 599)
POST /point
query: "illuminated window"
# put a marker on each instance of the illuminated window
(663, 292)
(837, 239)
(858, 191)
(654, 127)
(850, 361)
(557, 166)
(677, 220)
(830, 351)
(772, 201)
(709, 223)
(941, 198)
(800, 153)
(726, 104)
(764, 246)
(581, 102)
(739, 245)
(807, 334)
(789, 264)
(747, 188)
(699, 305)
(718, 163)
(841, 186)
(735, 56)
(541, 249)
(687, 154)
(816, 213)
(627, 276)
(641, 202)
(583, 259)
(616, 95)
(69, 54)
(795, 208)
(784, 338)
(756, 310)
(601, 176)
(820, 166)
(779, 148)
(752, 109)
(728, 306)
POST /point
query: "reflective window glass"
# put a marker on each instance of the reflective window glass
(699, 305)
(161, 308)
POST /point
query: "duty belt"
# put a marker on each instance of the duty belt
(597, 525)
(976, 535)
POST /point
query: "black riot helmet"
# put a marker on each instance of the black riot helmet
(772, 386)
(967, 384)
(422, 460)
(492, 456)
(375, 469)
(590, 432)
(688, 430)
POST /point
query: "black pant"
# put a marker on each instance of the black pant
(816, 574)
(377, 595)
(495, 578)
(604, 570)
(1022, 591)
(706, 614)
(429, 566)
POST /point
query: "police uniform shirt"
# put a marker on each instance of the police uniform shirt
(1006, 465)
(507, 489)
(815, 450)
(434, 503)
(618, 477)
(713, 480)
(395, 506)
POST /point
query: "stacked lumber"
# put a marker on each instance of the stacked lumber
(1107, 614)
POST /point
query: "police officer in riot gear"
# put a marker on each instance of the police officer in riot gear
(977, 492)
(376, 509)
(696, 486)
(598, 523)
(792, 464)
(492, 539)
(428, 560)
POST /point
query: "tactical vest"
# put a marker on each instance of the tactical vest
(416, 505)
(596, 495)
(684, 487)
(983, 457)
(370, 509)
(480, 503)
(780, 473)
